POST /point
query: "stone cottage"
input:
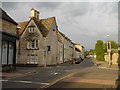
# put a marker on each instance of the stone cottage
(38, 41)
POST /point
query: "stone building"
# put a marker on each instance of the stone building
(69, 49)
(8, 40)
(82, 49)
(65, 48)
(41, 43)
(78, 55)
(38, 41)
(60, 47)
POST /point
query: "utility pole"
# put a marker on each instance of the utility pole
(109, 52)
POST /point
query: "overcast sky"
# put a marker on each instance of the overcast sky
(83, 22)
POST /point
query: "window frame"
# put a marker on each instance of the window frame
(31, 29)
(32, 44)
(32, 59)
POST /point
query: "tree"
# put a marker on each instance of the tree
(99, 50)
(114, 45)
(105, 47)
(86, 53)
(91, 52)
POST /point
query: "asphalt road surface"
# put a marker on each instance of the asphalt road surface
(89, 76)
(63, 76)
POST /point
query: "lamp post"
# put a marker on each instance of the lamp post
(109, 52)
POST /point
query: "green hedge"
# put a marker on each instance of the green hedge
(100, 57)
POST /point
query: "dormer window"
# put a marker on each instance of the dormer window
(31, 29)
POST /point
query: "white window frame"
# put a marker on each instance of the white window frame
(32, 59)
(32, 44)
(31, 29)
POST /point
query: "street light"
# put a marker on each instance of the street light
(109, 51)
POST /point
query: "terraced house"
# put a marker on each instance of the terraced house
(38, 41)
(60, 47)
(66, 48)
(8, 38)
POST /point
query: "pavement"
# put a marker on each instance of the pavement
(105, 65)
(16, 73)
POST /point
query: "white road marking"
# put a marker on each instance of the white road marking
(55, 73)
(22, 81)
(29, 82)
(4, 80)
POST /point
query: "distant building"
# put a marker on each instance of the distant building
(78, 53)
(38, 41)
(8, 37)
(65, 48)
(60, 47)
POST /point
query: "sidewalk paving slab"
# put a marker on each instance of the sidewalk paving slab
(105, 65)
(16, 73)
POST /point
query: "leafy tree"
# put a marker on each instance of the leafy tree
(91, 52)
(86, 53)
(105, 47)
(114, 45)
(99, 50)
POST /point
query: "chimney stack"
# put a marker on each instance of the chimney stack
(34, 13)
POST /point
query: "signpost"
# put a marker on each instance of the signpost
(109, 52)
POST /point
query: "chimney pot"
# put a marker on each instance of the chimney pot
(34, 13)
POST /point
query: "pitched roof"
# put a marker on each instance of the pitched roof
(5, 16)
(44, 25)
(21, 26)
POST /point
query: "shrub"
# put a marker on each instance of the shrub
(100, 57)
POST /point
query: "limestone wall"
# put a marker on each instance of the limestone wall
(114, 58)
(8, 27)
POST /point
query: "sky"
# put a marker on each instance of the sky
(82, 22)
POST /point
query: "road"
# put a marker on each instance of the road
(89, 76)
(65, 76)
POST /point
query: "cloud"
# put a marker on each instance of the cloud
(9, 5)
(75, 9)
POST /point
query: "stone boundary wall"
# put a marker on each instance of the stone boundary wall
(114, 58)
